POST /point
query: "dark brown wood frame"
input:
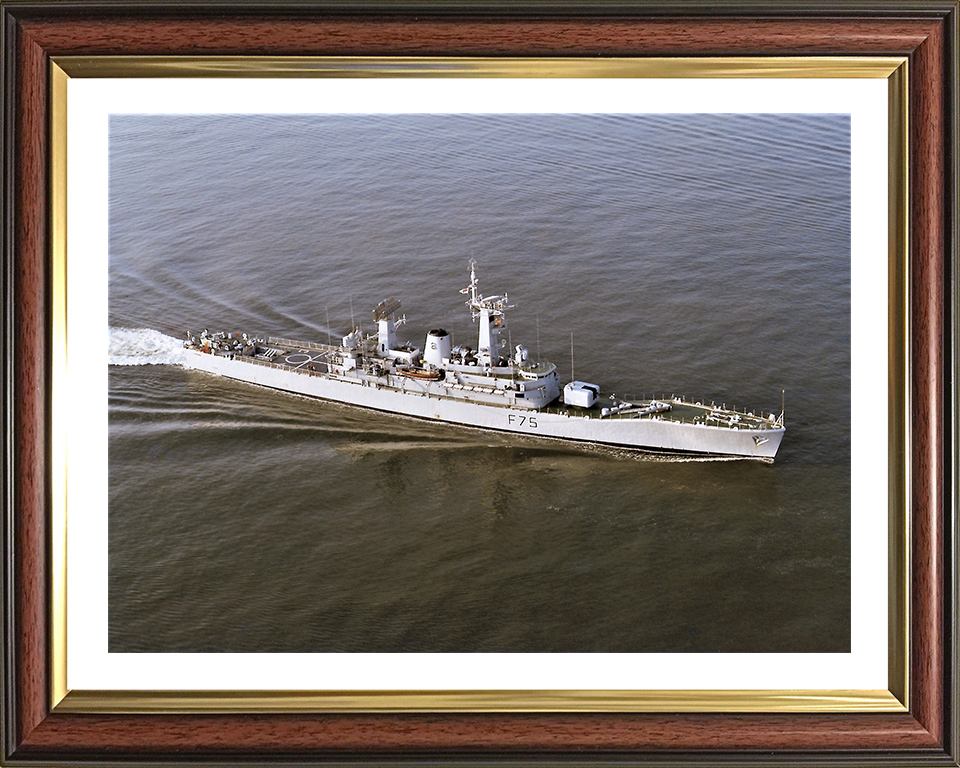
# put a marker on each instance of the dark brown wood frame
(926, 32)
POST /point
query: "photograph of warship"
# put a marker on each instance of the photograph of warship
(482, 388)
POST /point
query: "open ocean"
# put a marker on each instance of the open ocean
(704, 255)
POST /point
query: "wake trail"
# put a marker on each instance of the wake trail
(144, 346)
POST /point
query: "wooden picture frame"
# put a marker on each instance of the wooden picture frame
(36, 34)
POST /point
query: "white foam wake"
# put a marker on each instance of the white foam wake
(144, 346)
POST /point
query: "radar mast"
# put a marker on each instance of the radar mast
(490, 312)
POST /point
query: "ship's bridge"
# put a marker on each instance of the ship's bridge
(537, 370)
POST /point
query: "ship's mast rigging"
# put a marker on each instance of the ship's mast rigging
(572, 375)
(490, 312)
(538, 338)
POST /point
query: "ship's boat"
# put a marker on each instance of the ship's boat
(420, 373)
(489, 387)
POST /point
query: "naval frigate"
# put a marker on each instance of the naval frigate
(482, 387)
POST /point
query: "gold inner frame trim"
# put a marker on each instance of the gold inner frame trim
(439, 67)
(131, 702)
(58, 408)
(898, 355)
(893, 69)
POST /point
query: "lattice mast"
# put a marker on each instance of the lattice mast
(490, 312)
(386, 327)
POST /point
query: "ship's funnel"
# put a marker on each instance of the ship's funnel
(437, 347)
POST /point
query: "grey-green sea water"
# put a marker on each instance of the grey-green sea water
(705, 255)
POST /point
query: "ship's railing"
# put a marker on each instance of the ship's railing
(271, 364)
(576, 414)
(537, 367)
(697, 402)
(255, 361)
(300, 344)
(756, 420)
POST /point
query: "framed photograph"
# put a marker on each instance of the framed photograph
(649, 312)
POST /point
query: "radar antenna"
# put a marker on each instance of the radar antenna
(495, 305)
(386, 308)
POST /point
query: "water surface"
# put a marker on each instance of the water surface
(704, 255)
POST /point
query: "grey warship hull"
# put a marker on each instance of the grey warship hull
(685, 428)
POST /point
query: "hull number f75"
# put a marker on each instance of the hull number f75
(530, 421)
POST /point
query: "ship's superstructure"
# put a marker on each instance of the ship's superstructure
(479, 387)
